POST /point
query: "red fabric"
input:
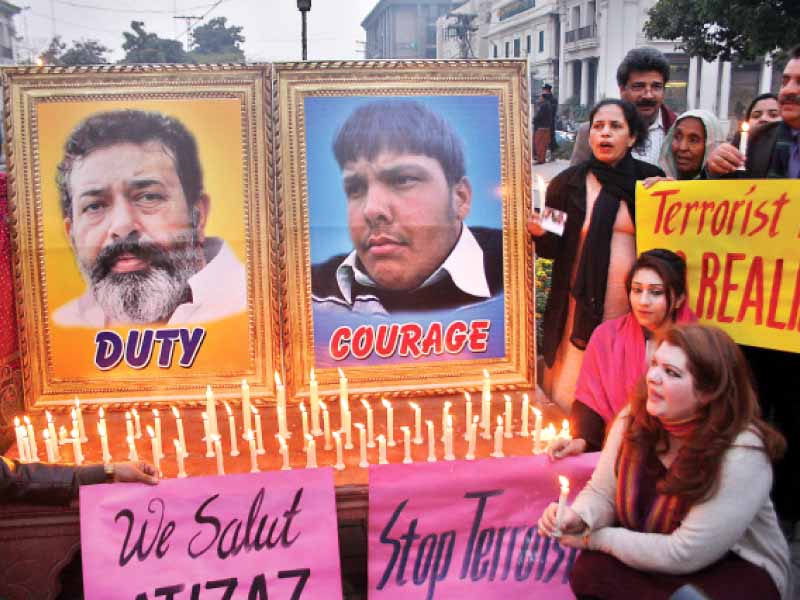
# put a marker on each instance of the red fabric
(541, 140)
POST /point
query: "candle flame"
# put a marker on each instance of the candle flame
(745, 126)
(323, 406)
(360, 425)
(565, 425)
(150, 432)
(155, 414)
(386, 404)
(16, 421)
(341, 373)
(204, 414)
(73, 414)
(564, 482)
(414, 405)
(447, 405)
(302, 407)
(336, 435)
(62, 430)
(227, 408)
(475, 419)
(46, 434)
(178, 448)
(485, 374)
(404, 428)
(101, 413)
(499, 421)
(507, 397)
(467, 397)
(312, 374)
(536, 411)
(77, 403)
(366, 405)
(380, 438)
(175, 412)
(249, 435)
(254, 410)
(26, 419)
(209, 392)
(277, 379)
(134, 412)
(49, 416)
(74, 434)
(128, 415)
(245, 385)
(129, 438)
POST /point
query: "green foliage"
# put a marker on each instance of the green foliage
(726, 29)
(82, 52)
(143, 47)
(52, 56)
(543, 276)
(217, 42)
(579, 113)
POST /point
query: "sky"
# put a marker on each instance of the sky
(271, 27)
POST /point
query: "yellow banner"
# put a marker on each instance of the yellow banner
(741, 240)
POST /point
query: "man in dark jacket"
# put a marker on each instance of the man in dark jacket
(543, 119)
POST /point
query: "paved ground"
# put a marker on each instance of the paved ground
(549, 170)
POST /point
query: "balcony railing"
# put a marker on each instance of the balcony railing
(582, 33)
(514, 8)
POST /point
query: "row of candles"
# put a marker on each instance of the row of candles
(319, 414)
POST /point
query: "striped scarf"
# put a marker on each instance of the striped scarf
(663, 515)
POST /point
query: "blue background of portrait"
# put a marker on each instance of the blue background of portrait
(476, 119)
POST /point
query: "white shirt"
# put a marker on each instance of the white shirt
(460, 265)
(652, 147)
(219, 290)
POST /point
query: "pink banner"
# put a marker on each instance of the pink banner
(468, 529)
(249, 536)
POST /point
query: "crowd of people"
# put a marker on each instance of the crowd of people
(684, 491)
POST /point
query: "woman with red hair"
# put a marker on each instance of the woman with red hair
(681, 491)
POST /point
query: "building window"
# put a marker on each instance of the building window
(516, 47)
(508, 49)
(541, 41)
(494, 50)
(528, 44)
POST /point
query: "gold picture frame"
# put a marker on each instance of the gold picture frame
(68, 348)
(487, 104)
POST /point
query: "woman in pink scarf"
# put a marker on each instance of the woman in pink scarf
(619, 350)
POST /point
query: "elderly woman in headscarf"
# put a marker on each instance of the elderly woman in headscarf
(688, 143)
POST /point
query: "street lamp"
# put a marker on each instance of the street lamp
(304, 6)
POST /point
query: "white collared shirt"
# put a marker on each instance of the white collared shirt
(460, 265)
(652, 148)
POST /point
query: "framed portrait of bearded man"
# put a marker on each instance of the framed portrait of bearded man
(142, 220)
(403, 189)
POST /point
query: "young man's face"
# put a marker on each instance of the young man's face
(789, 94)
(404, 218)
(645, 89)
(132, 231)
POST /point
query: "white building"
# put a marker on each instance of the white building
(585, 40)
(8, 32)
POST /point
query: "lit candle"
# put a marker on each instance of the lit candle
(562, 502)
(75, 427)
(370, 424)
(508, 417)
(179, 427)
(133, 455)
(211, 411)
(406, 444)
(498, 439)
(348, 430)
(207, 436)
(101, 431)
(81, 427)
(48, 446)
(313, 399)
(76, 447)
(389, 422)
(53, 438)
(25, 455)
(154, 447)
(445, 413)
(326, 425)
(283, 449)
(344, 400)
(101, 415)
(382, 450)
(417, 422)
(472, 428)
(524, 414)
(311, 453)
(179, 456)
(486, 406)
(304, 420)
(564, 433)
(246, 423)
(157, 421)
(259, 436)
(743, 135)
(339, 466)
(232, 430)
(362, 446)
(251, 442)
(283, 431)
(137, 422)
(431, 441)
(33, 448)
(62, 435)
(448, 439)
(537, 431)
(128, 424)
(218, 452)
(467, 413)
(22, 444)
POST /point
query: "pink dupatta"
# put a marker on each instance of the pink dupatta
(614, 362)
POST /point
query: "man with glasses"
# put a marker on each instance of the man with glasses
(642, 77)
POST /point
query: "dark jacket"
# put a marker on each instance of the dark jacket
(768, 152)
(567, 192)
(441, 295)
(544, 116)
(41, 483)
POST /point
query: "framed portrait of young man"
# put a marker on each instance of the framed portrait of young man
(403, 190)
(143, 227)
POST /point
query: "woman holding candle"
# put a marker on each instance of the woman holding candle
(617, 356)
(681, 491)
(598, 247)
(688, 144)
